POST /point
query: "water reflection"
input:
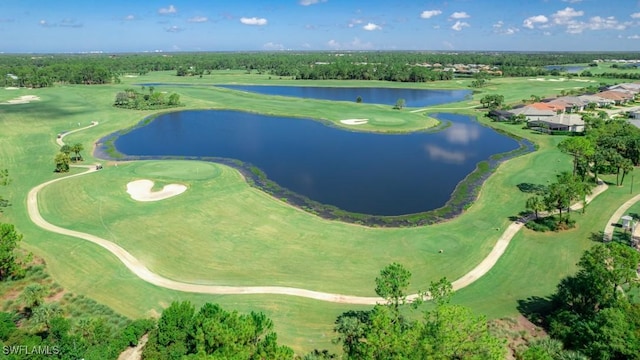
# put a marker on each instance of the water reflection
(359, 172)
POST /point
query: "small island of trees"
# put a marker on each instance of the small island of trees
(132, 99)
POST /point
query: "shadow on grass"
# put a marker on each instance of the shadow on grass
(531, 188)
(536, 309)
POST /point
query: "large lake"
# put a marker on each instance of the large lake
(358, 172)
(389, 96)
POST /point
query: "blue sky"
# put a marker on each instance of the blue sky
(230, 25)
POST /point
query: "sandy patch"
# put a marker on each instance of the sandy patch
(584, 80)
(354, 121)
(543, 79)
(131, 76)
(140, 190)
(22, 100)
(11, 88)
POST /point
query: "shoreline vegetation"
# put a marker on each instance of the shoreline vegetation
(463, 196)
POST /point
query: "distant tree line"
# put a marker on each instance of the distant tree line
(47, 70)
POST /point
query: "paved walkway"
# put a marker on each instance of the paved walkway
(608, 229)
(140, 270)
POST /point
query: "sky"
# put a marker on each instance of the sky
(49, 26)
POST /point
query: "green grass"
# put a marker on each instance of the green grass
(223, 231)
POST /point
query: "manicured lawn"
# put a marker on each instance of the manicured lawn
(224, 232)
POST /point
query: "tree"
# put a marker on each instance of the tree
(32, 296)
(592, 310)
(62, 161)
(579, 147)
(174, 99)
(535, 204)
(627, 167)
(44, 314)
(77, 148)
(66, 149)
(400, 103)
(10, 266)
(359, 99)
(213, 333)
(447, 332)
(492, 101)
(392, 284)
(4, 181)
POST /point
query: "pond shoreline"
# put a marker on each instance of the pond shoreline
(463, 196)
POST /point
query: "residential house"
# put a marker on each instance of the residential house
(598, 100)
(618, 97)
(633, 87)
(500, 115)
(560, 105)
(559, 122)
(557, 108)
(533, 113)
(575, 102)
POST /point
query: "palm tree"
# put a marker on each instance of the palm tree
(44, 313)
(535, 204)
(32, 296)
(66, 149)
(76, 148)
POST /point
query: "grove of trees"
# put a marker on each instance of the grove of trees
(595, 311)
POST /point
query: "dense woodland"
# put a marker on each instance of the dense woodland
(46, 70)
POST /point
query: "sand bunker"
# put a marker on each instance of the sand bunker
(11, 88)
(140, 190)
(354, 121)
(22, 100)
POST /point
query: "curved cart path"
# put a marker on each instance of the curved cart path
(140, 270)
(608, 230)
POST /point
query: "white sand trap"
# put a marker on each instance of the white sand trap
(131, 76)
(22, 100)
(11, 88)
(140, 190)
(354, 121)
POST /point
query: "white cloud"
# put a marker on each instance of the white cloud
(273, 46)
(459, 25)
(174, 29)
(459, 15)
(499, 28)
(44, 23)
(531, 22)
(636, 15)
(634, 37)
(168, 10)
(129, 18)
(572, 1)
(311, 2)
(428, 14)
(356, 44)
(354, 22)
(596, 23)
(253, 21)
(565, 16)
(372, 27)
(198, 19)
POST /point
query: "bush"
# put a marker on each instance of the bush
(551, 223)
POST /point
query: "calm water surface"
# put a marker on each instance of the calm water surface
(389, 96)
(359, 172)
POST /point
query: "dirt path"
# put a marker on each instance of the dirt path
(135, 352)
(140, 270)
